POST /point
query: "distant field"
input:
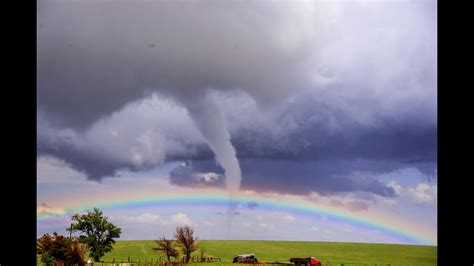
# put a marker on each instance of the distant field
(269, 251)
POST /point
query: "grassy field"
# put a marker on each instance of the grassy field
(269, 251)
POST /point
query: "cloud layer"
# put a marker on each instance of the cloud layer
(316, 97)
(91, 50)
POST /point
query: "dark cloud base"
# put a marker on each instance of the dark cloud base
(297, 177)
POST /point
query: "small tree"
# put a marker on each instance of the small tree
(99, 233)
(168, 247)
(59, 248)
(52, 248)
(203, 252)
(77, 251)
(184, 236)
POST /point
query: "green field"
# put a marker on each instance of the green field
(270, 251)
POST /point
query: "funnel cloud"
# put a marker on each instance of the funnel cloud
(210, 122)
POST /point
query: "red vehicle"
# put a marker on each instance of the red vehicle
(310, 261)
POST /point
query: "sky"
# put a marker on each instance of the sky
(284, 120)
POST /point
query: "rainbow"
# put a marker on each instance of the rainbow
(298, 208)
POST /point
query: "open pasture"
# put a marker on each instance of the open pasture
(334, 253)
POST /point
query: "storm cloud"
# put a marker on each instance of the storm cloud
(91, 50)
(295, 177)
(314, 96)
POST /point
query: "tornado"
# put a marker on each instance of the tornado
(209, 120)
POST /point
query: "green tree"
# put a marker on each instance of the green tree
(203, 252)
(98, 232)
(184, 236)
(168, 247)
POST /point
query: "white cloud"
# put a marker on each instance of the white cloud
(423, 193)
(154, 218)
(288, 218)
(142, 141)
(266, 226)
(145, 218)
(347, 230)
(351, 201)
(314, 196)
(387, 201)
(208, 177)
(209, 223)
(53, 170)
(181, 219)
(396, 187)
(45, 209)
(149, 218)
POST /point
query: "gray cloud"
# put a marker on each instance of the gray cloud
(297, 177)
(134, 138)
(89, 51)
(186, 176)
(96, 56)
(306, 130)
(311, 129)
(328, 90)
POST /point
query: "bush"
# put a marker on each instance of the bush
(58, 248)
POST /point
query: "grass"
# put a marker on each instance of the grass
(269, 251)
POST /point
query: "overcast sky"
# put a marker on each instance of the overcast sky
(335, 101)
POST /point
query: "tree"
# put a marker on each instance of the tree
(77, 251)
(98, 232)
(58, 248)
(52, 248)
(168, 247)
(203, 252)
(184, 236)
